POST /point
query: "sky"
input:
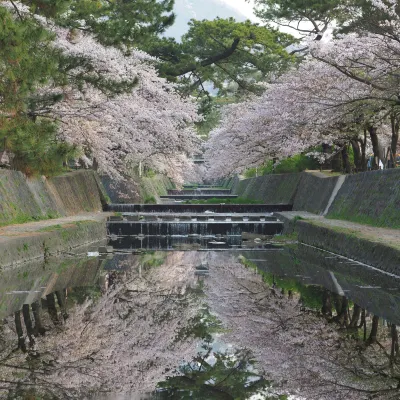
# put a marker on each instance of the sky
(243, 7)
(208, 9)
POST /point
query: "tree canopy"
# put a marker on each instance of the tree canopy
(224, 52)
(112, 22)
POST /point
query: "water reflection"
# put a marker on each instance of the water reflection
(215, 375)
(201, 325)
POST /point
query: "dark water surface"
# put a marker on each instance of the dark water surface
(278, 322)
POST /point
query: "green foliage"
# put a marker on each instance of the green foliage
(232, 55)
(291, 12)
(310, 295)
(36, 149)
(113, 23)
(231, 375)
(315, 16)
(150, 200)
(297, 163)
(29, 60)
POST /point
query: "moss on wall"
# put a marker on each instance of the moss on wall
(371, 198)
(154, 187)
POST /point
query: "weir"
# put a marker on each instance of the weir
(199, 196)
(150, 228)
(199, 191)
(199, 208)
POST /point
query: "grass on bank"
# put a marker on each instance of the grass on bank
(25, 218)
(296, 163)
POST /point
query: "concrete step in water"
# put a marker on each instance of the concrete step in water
(199, 196)
(153, 228)
(196, 192)
(199, 208)
(201, 187)
(191, 217)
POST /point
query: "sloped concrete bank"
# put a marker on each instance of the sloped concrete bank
(67, 210)
(351, 243)
(361, 211)
(23, 199)
(306, 191)
(41, 242)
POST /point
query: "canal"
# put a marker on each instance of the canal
(260, 319)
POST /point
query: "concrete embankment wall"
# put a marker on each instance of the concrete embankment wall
(138, 189)
(370, 197)
(49, 241)
(350, 243)
(50, 201)
(23, 199)
(305, 191)
(269, 189)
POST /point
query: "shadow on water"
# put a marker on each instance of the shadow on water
(159, 299)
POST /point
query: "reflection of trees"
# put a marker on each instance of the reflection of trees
(366, 363)
(29, 325)
(32, 317)
(215, 375)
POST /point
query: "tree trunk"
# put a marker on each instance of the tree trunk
(355, 317)
(28, 323)
(357, 155)
(61, 302)
(364, 151)
(326, 303)
(374, 329)
(20, 332)
(51, 307)
(395, 138)
(342, 316)
(375, 146)
(363, 323)
(346, 160)
(395, 343)
(36, 309)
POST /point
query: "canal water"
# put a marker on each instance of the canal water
(270, 322)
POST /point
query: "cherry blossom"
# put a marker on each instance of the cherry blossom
(150, 124)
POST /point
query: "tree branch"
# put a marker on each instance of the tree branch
(208, 61)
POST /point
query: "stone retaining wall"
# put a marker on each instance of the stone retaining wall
(370, 197)
(313, 192)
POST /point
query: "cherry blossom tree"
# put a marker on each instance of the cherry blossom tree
(116, 108)
(345, 89)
